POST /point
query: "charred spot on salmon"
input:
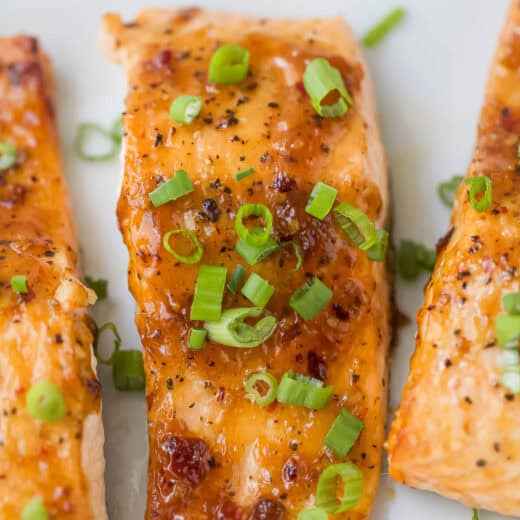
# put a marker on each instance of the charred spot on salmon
(188, 458)
(267, 510)
(211, 210)
(317, 366)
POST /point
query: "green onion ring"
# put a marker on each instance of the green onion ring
(195, 257)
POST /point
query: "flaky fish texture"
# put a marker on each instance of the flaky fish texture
(213, 453)
(457, 430)
(45, 334)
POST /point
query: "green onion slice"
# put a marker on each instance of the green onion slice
(261, 388)
(311, 298)
(236, 279)
(312, 514)
(412, 258)
(353, 482)
(379, 32)
(357, 226)
(343, 433)
(475, 514)
(301, 390)
(7, 155)
(242, 175)
(508, 330)
(447, 190)
(128, 371)
(233, 331)
(258, 236)
(297, 251)
(254, 254)
(258, 290)
(117, 130)
(377, 252)
(35, 510)
(480, 192)
(117, 343)
(195, 257)
(321, 200)
(209, 291)
(45, 401)
(100, 287)
(89, 133)
(19, 284)
(229, 64)
(321, 79)
(511, 302)
(197, 339)
(174, 188)
(185, 109)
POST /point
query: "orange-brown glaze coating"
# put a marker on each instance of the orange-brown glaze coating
(47, 333)
(457, 429)
(214, 454)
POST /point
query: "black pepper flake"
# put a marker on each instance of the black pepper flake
(242, 100)
(480, 463)
(158, 140)
(211, 210)
(49, 253)
(169, 383)
(265, 157)
(212, 463)
(468, 400)
(340, 312)
(293, 445)
(58, 338)
(324, 148)
(272, 104)
(447, 363)
(496, 447)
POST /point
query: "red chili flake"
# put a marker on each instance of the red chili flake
(267, 510)
(317, 366)
(228, 511)
(289, 471)
(301, 89)
(94, 387)
(283, 183)
(188, 458)
(162, 58)
(221, 394)
(444, 241)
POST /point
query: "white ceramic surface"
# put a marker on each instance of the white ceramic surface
(429, 75)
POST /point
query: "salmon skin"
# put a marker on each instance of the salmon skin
(213, 453)
(46, 333)
(456, 431)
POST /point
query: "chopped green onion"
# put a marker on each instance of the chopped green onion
(480, 192)
(7, 155)
(100, 287)
(508, 330)
(297, 252)
(174, 188)
(35, 510)
(195, 256)
(185, 109)
(321, 200)
(311, 298)
(412, 258)
(447, 190)
(356, 225)
(475, 514)
(312, 514)
(301, 390)
(353, 483)
(377, 252)
(128, 371)
(242, 175)
(19, 284)
(343, 433)
(511, 302)
(261, 388)
(233, 331)
(258, 236)
(209, 291)
(229, 64)
(45, 401)
(378, 32)
(117, 343)
(321, 79)
(117, 130)
(197, 339)
(236, 279)
(88, 132)
(254, 254)
(257, 290)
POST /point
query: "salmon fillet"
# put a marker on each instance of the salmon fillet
(46, 333)
(457, 429)
(213, 453)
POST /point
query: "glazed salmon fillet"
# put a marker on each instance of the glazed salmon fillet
(213, 452)
(51, 463)
(456, 431)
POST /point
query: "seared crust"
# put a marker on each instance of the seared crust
(46, 334)
(238, 458)
(456, 432)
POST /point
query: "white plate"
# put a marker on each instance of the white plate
(430, 76)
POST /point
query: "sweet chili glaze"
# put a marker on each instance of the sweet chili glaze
(213, 454)
(456, 431)
(46, 333)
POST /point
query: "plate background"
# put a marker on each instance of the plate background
(429, 75)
